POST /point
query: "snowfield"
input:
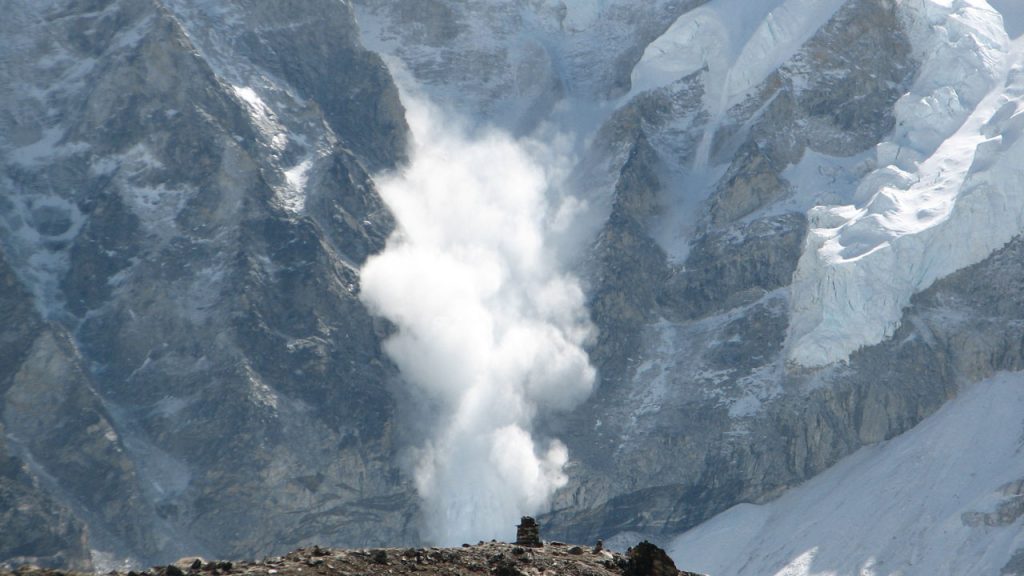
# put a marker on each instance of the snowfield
(923, 503)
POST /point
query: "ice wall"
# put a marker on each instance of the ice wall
(946, 195)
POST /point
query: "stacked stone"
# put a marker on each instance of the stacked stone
(528, 533)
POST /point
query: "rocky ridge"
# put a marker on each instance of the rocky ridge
(497, 558)
(182, 217)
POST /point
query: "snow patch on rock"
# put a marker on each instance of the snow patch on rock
(38, 230)
(263, 117)
(738, 43)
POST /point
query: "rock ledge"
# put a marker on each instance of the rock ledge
(498, 558)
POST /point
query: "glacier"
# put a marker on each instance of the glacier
(945, 195)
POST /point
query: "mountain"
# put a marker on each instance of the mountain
(377, 272)
(187, 368)
(945, 498)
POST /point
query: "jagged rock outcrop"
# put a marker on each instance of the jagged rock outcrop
(646, 559)
(1007, 511)
(497, 558)
(185, 201)
(38, 530)
(54, 425)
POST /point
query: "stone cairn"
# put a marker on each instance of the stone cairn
(528, 533)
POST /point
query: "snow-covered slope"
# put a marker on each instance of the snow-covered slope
(945, 195)
(944, 498)
(740, 43)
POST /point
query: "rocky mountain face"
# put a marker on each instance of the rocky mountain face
(186, 199)
(706, 169)
(185, 205)
(695, 336)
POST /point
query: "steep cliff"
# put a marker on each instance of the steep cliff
(185, 204)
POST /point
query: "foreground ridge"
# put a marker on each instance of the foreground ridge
(498, 558)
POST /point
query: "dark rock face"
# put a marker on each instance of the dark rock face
(324, 62)
(1016, 564)
(53, 425)
(203, 368)
(733, 265)
(646, 559)
(630, 265)
(34, 527)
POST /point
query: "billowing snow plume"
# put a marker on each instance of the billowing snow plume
(488, 326)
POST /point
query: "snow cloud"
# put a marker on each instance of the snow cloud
(490, 328)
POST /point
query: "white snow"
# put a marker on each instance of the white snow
(945, 196)
(893, 508)
(822, 179)
(738, 42)
(263, 117)
(293, 196)
(494, 332)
